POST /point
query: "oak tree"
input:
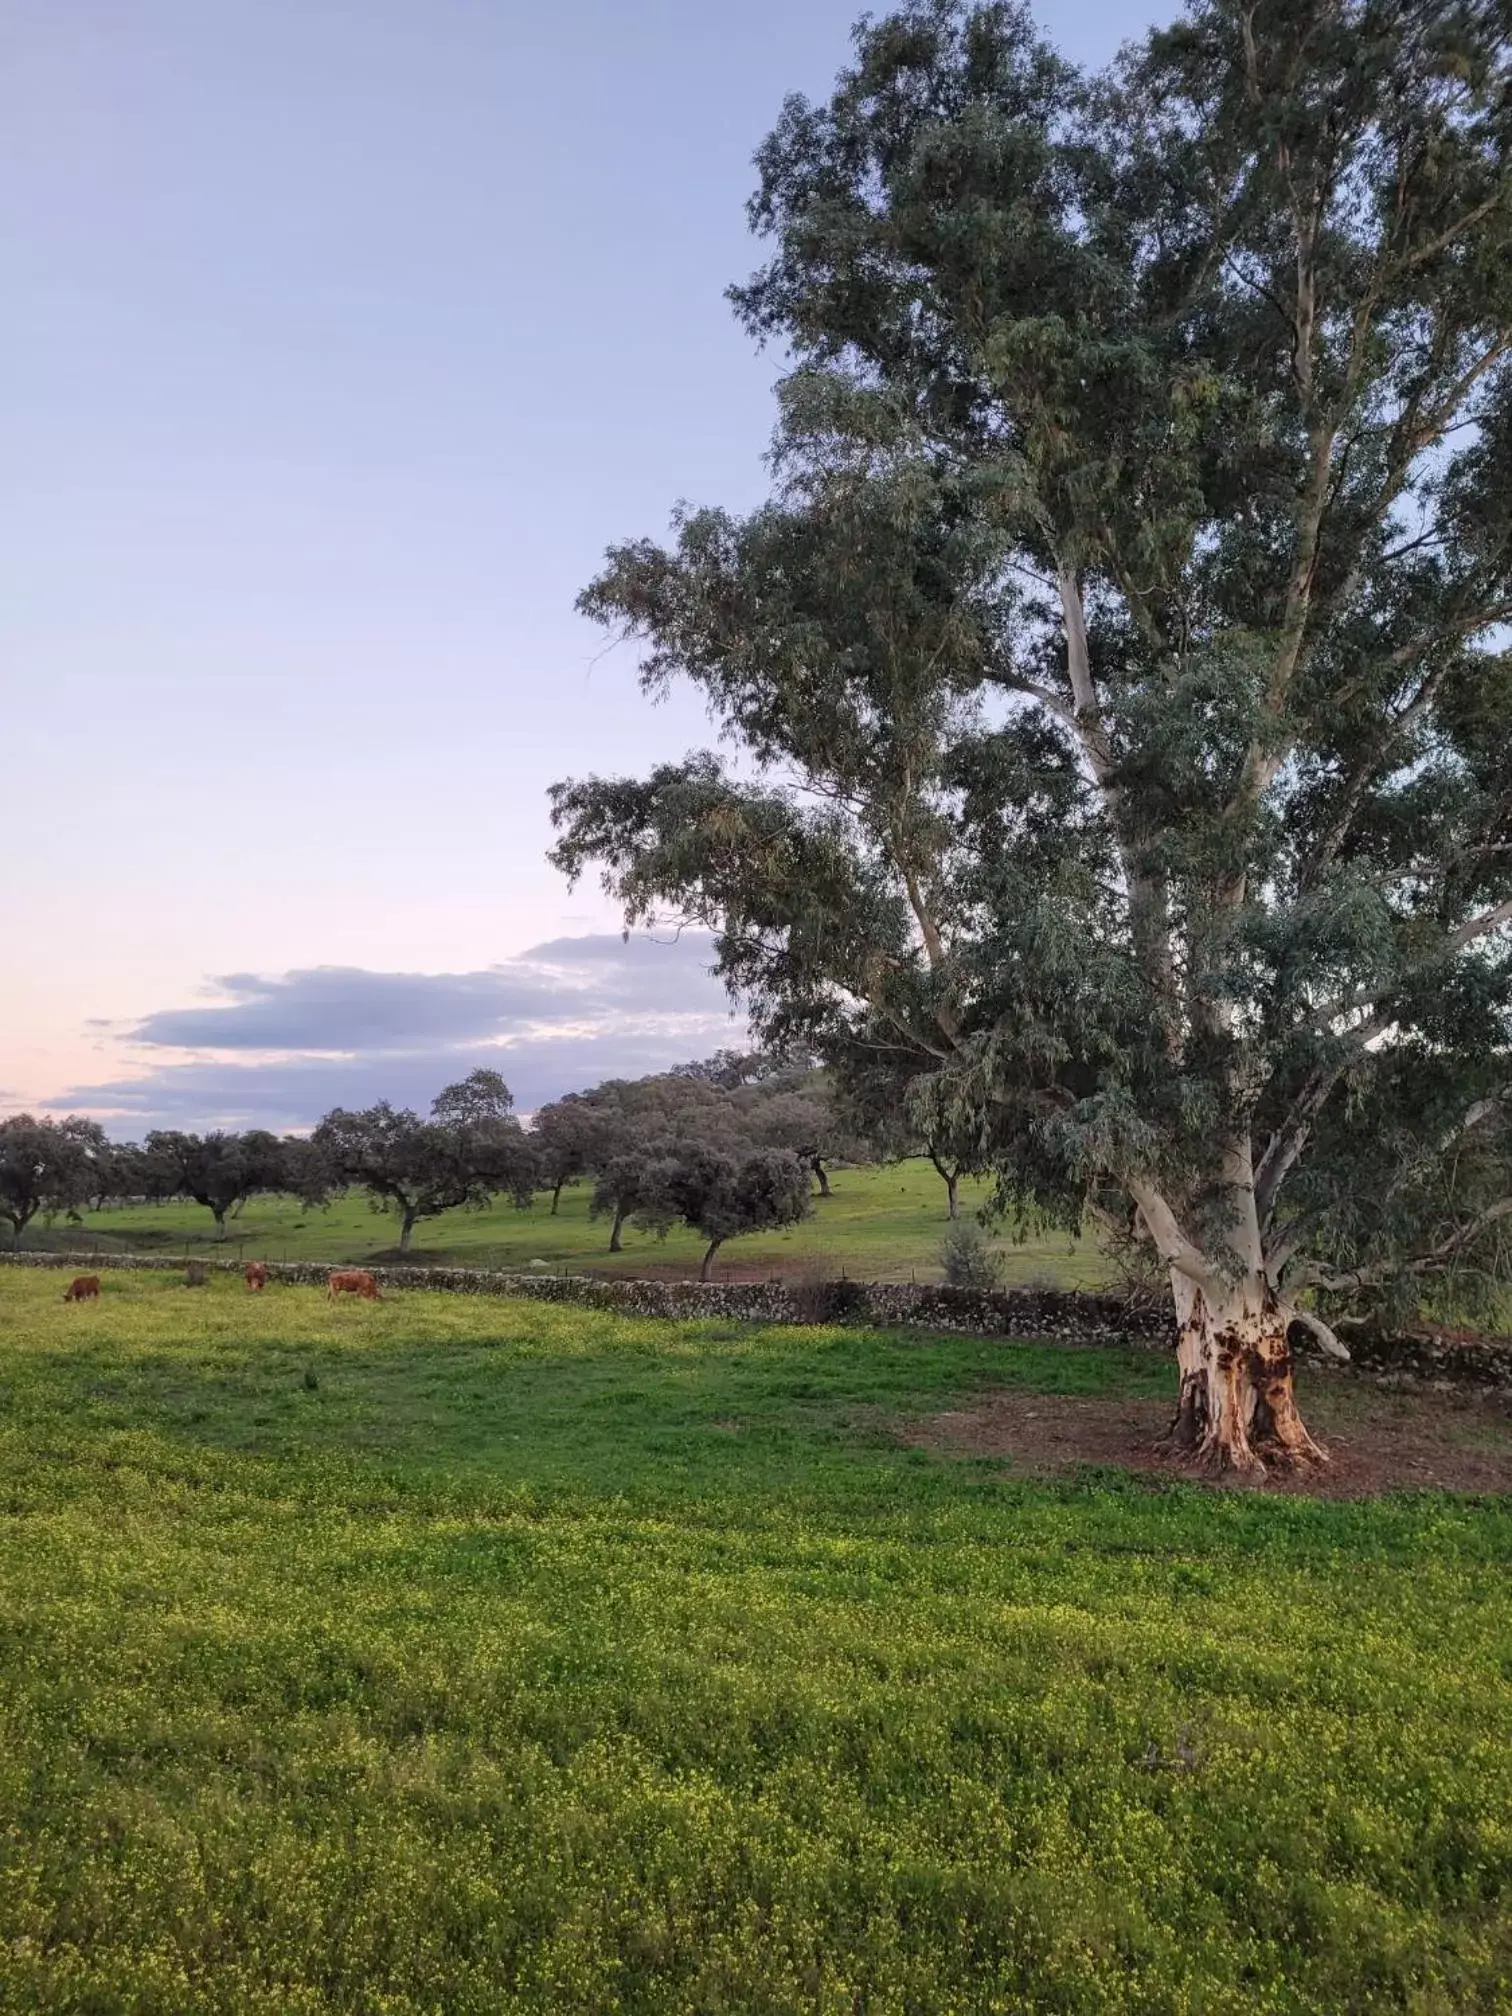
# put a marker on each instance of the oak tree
(469, 1151)
(571, 1136)
(219, 1170)
(721, 1194)
(47, 1165)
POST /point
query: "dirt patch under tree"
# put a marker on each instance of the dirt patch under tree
(1377, 1441)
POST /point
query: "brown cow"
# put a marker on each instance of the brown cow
(353, 1281)
(83, 1288)
(257, 1274)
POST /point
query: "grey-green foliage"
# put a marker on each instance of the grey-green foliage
(570, 1137)
(969, 1258)
(1119, 653)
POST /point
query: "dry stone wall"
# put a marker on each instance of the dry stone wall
(1065, 1317)
(1062, 1316)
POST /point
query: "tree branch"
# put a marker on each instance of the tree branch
(1451, 232)
(1286, 1144)
(1332, 1347)
(1367, 997)
(1175, 1248)
(1079, 667)
(1316, 1275)
(1338, 832)
(1148, 910)
(1480, 927)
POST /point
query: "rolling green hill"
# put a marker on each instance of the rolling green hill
(880, 1224)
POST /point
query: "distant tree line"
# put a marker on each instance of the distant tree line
(732, 1144)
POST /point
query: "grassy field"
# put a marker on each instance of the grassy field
(455, 1657)
(880, 1225)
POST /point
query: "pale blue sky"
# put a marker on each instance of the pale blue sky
(340, 338)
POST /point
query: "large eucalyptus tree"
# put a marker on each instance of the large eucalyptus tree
(1119, 661)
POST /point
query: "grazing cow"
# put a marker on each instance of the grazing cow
(83, 1288)
(257, 1274)
(353, 1281)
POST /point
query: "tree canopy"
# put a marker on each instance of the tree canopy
(573, 1137)
(219, 1170)
(46, 1165)
(469, 1151)
(1120, 654)
(734, 1101)
(720, 1192)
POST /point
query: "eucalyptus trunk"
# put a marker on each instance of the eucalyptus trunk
(1237, 1408)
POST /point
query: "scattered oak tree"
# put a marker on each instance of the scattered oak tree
(950, 1170)
(1128, 612)
(631, 1121)
(883, 1090)
(147, 1175)
(45, 1166)
(571, 1137)
(721, 1195)
(792, 1106)
(218, 1170)
(619, 1186)
(307, 1173)
(469, 1151)
(636, 1122)
(112, 1167)
(784, 1102)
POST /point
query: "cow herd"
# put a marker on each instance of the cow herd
(345, 1281)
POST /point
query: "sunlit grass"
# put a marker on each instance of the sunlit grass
(455, 1656)
(880, 1224)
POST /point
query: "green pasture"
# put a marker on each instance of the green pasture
(880, 1225)
(459, 1656)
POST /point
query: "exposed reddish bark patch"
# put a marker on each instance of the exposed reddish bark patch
(1377, 1441)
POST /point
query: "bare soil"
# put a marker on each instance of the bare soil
(1377, 1441)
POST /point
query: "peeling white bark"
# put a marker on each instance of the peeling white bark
(1236, 1409)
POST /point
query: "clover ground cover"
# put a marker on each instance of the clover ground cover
(445, 1656)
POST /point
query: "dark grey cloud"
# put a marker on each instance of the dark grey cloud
(293, 1093)
(564, 1015)
(348, 1009)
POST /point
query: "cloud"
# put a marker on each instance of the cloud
(278, 1051)
(347, 1010)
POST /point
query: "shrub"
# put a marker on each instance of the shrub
(820, 1300)
(969, 1258)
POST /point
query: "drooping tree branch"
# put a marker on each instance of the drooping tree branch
(1348, 1280)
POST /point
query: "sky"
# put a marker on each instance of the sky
(341, 337)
